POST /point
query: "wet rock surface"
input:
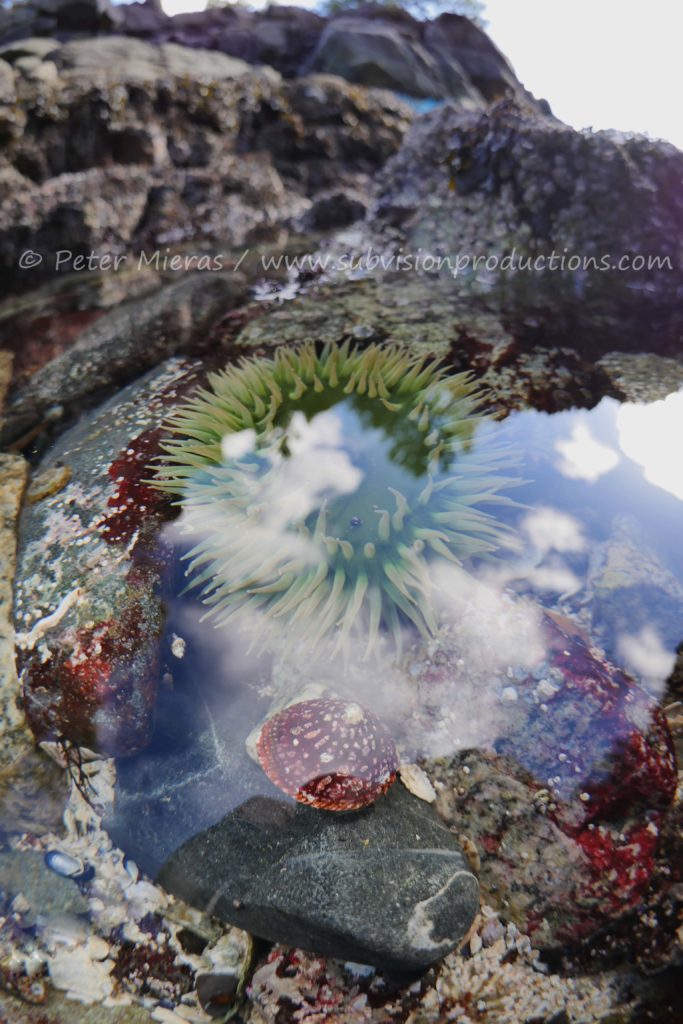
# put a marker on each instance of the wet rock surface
(387, 885)
(120, 345)
(431, 315)
(89, 614)
(513, 183)
(576, 788)
(13, 478)
(45, 892)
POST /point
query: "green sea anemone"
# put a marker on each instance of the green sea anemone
(319, 487)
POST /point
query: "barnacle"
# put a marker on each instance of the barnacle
(320, 485)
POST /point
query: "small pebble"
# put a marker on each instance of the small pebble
(492, 931)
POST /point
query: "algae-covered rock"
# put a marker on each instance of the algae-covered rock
(428, 314)
(89, 613)
(121, 344)
(16, 739)
(510, 188)
(568, 809)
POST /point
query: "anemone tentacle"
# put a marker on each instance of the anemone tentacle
(351, 557)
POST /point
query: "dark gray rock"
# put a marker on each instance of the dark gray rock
(284, 36)
(450, 57)
(63, 17)
(124, 342)
(376, 54)
(387, 885)
(145, 20)
(466, 53)
(510, 185)
(22, 20)
(81, 15)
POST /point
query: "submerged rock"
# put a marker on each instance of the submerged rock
(89, 615)
(567, 814)
(630, 594)
(25, 872)
(388, 885)
(197, 813)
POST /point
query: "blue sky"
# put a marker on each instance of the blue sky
(600, 63)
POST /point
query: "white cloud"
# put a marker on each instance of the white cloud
(548, 529)
(584, 458)
(612, 64)
(651, 435)
(645, 654)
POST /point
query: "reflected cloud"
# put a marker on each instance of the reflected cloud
(651, 435)
(545, 535)
(645, 654)
(553, 579)
(238, 444)
(548, 529)
(315, 467)
(482, 611)
(584, 458)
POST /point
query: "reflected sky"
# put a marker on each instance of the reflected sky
(595, 564)
(602, 487)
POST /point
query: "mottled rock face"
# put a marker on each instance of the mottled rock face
(89, 613)
(395, 887)
(567, 814)
(130, 149)
(513, 183)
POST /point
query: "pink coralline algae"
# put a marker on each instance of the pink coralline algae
(328, 753)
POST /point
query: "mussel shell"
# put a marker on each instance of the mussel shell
(69, 867)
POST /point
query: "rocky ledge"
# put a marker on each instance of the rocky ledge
(116, 145)
(373, 45)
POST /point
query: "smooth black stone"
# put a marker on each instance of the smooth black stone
(387, 885)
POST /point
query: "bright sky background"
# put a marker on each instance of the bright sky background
(599, 63)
